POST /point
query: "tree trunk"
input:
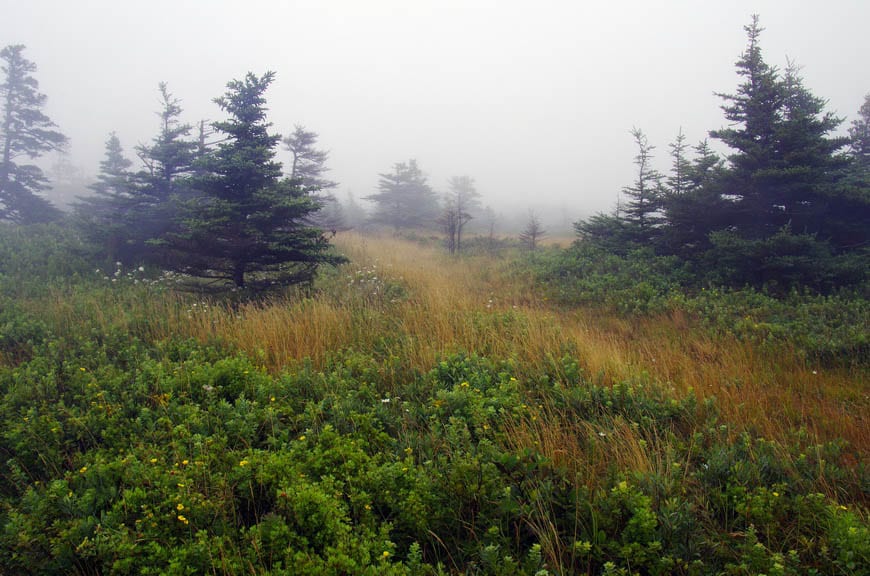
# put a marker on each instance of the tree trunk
(239, 274)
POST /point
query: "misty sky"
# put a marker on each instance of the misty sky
(534, 100)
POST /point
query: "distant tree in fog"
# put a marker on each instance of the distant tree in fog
(308, 163)
(168, 162)
(404, 199)
(104, 217)
(533, 232)
(355, 215)
(25, 132)
(308, 166)
(171, 154)
(460, 201)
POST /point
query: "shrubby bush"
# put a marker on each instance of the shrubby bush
(823, 327)
(126, 457)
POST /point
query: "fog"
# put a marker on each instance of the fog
(533, 100)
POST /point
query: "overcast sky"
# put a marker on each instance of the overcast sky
(535, 100)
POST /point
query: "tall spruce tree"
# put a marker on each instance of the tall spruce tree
(782, 178)
(642, 212)
(25, 132)
(849, 209)
(168, 161)
(170, 155)
(105, 217)
(678, 180)
(753, 112)
(247, 224)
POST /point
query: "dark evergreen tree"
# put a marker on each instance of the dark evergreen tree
(782, 177)
(168, 161)
(753, 112)
(26, 132)
(642, 213)
(848, 213)
(171, 154)
(691, 215)
(247, 224)
(105, 216)
(404, 198)
(607, 231)
(678, 181)
(859, 137)
(810, 160)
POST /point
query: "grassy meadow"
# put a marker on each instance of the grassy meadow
(413, 413)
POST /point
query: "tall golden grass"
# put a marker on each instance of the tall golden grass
(443, 305)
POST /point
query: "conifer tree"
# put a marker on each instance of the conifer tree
(247, 224)
(25, 131)
(461, 199)
(404, 198)
(105, 216)
(532, 232)
(168, 161)
(753, 112)
(642, 212)
(308, 166)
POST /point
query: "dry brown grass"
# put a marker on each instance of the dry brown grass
(470, 305)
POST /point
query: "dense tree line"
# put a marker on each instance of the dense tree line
(788, 206)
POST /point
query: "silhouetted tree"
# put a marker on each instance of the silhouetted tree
(168, 161)
(104, 217)
(678, 181)
(691, 215)
(859, 137)
(404, 198)
(461, 199)
(26, 132)
(642, 214)
(752, 112)
(247, 224)
(308, 165)
(532, 233)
